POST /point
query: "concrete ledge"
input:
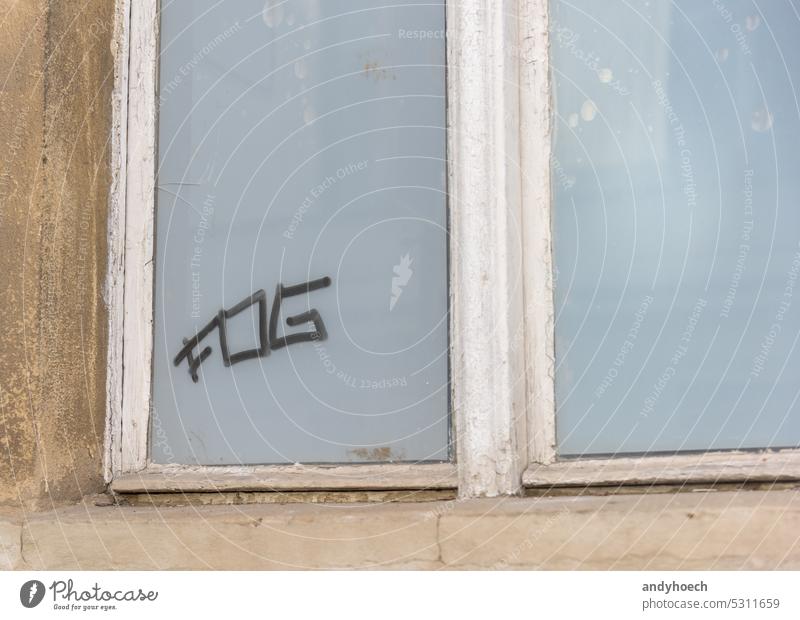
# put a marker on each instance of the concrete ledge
(709, 530)
(721, 530)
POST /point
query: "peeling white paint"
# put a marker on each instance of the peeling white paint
(536, 131)
(114, 286)
(486, 251)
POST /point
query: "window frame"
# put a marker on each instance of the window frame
(487, 365)
(502, 354)
(544, 469)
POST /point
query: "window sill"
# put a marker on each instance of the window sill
(720, 530)
(707, 468)
(187, 479)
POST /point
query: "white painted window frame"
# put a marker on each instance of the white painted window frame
(501, 304)
(487, 359)
(544, 470)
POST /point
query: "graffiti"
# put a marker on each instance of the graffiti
(268, 338)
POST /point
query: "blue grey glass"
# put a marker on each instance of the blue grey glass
(301, 309)
(676, 174)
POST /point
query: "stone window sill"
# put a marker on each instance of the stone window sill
(694, 530)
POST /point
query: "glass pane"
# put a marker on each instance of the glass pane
(301, 262)
(676, 225)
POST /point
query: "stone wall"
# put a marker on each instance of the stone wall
(56, 67)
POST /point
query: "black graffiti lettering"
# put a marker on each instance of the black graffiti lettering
(311, 316)
(190, 343)
(267, 333)
(259, 297)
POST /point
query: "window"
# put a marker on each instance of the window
(547, 234)
(675, 241)
(287, 276)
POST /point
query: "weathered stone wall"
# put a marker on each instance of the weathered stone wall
(56, 71)
(753, 530)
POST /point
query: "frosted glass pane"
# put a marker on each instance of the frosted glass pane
(676, 173)
(301, 214)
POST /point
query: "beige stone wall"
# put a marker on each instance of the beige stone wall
(55, 105)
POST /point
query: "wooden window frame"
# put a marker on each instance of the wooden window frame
(488, 398)
(545, 470)
(502, 354)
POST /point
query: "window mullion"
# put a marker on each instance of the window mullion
(486, 271)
